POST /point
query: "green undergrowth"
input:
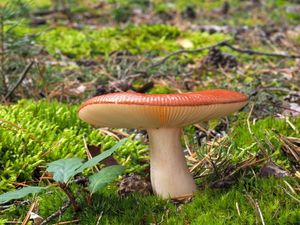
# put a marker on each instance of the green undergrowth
(209, 206)
(239, 13)
(33, 133)
(135, 39)
(44, 5)
(251, 139)
(243, 141)
(32, 4)
(157, 39)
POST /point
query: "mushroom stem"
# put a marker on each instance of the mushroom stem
(170, 176)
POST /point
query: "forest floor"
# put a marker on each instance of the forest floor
(56, 54)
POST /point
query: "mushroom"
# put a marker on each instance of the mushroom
(163, 116)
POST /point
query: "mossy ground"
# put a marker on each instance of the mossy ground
(209, 206)
(33, 133)
(135, 39)
(55, 126)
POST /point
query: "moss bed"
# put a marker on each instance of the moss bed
(96, 51)
(33, 133)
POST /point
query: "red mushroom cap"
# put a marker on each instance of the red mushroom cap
(135, 110)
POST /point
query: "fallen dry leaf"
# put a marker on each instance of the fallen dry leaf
(272, 169)
(185, 43)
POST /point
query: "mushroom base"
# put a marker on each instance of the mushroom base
(170, 176)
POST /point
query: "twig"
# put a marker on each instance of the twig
(99, 218)
(12, 222)
(2, 207)
(288, 147)
(48, 12)
(253, 52)
(22, 76)
(289, 109)
(57, 213)
(238, 209)
(200, 162)
(290, 187)
(165, 215)
(213, 165)
(248, 119)
(89, 156)
(289, 194)
(26, 219)
(70, 195)
(252, 133)
(223, 44)
(255, 204)
(68, 222)
(2, 54)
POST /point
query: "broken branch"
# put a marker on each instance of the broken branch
(224, 44)
(22, 76)
(57, 213)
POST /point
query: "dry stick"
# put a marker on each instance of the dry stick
(289, 194)
(89, 154)
(48, 12)
(238, 209)
(2, 207)
(12, 222)
(2, 54)
(99, 218)
(70, 195)
(289, 109)
(22, 76)
(244, 164)
(253, 52)
(27, 218)
(200, 162)
(290, 187)
(68, 222)
(222, 44)
(57, 213)
(255, 204)
(252, 133)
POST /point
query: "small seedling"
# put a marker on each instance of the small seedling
(64, 171)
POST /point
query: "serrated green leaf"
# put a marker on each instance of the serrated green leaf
(94, 161)
(21, 193)
(104, 177)
(64, 169)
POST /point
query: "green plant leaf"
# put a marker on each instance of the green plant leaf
(104, 177)
(64, 169)
(94, 161)
(20, 193)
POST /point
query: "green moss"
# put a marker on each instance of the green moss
(29, 129)
(209, 206)
(66, 41)
(33, 133)
(160, 90)
(243, 140)
(220, 205)
(135, 39)
(262, 129)
(19, 28)
(204, 4)
(32, 3)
